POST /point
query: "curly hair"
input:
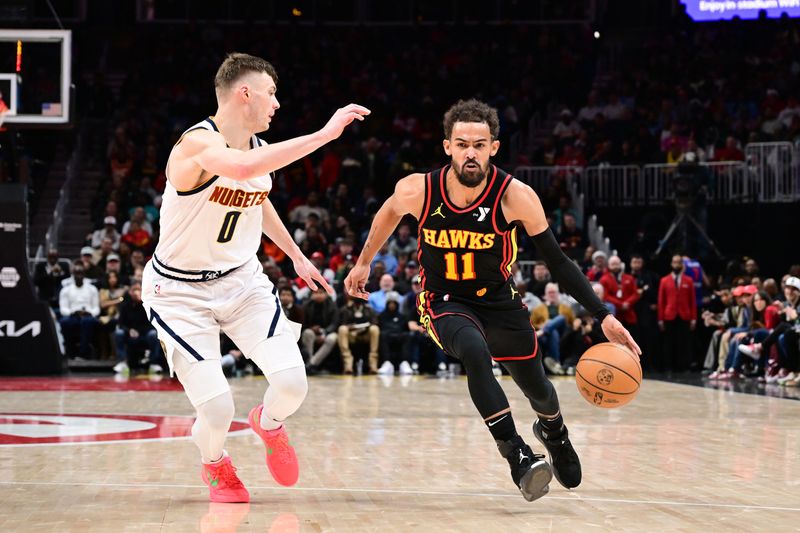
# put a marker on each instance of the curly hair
(471, 110)
(236, 65)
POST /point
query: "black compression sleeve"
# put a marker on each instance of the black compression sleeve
(568, 275)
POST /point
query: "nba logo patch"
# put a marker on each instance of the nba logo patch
(157, 289)
(446, 298)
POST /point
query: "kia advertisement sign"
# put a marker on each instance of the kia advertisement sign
(28, 341)
(709, 10)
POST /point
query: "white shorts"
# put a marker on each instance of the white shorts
(244, 304)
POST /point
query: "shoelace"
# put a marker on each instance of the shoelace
(227, 474)
(281, 448)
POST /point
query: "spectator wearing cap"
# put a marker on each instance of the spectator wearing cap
(90, 269)
(764, 319)
(79, 304)
(114, 264)
(743, 315)
(403, 284)
(677, 310)
(100, 254)
(567, 128)
(377, 299)
(621, 290)
(403, 242)
(747, 295)
(394, 338)
(598, 268)
(786, 369)
(109, 230)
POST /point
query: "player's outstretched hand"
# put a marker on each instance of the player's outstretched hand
(342, 118)
(616, 332)
(356, 281)
(308, 272)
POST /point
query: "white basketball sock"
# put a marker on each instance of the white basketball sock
(209, 430)
(287, 386)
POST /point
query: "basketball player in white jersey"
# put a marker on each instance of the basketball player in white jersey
(204, 275)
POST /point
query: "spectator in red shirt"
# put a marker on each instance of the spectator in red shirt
(621, 291)
(677, 309)
(136, 237)
(340, 259)
(598, 268)
(730, 152)
(572, 157)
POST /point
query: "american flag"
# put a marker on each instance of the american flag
(51, 109)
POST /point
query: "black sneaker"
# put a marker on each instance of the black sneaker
(530, 471)
(566, 465)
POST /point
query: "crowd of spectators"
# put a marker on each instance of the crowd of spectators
(672, 92)
(328, 199)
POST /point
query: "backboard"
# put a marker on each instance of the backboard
(35, 76)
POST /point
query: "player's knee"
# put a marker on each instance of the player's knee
(218, 411)
(290, 384)
(471, 348)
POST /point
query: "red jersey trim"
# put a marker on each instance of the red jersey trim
(497, 203)
(474, 204)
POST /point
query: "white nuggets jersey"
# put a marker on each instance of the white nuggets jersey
(212, 229)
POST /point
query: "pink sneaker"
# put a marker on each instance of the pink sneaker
(281, 459)
(224, 486)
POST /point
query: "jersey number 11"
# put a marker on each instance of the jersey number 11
(451, 273)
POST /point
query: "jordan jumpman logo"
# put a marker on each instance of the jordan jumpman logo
(439, 210)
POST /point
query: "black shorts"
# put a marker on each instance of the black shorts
(506, 327)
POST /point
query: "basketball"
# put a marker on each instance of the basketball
(608, 375)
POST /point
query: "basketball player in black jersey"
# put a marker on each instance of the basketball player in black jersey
(469, 213)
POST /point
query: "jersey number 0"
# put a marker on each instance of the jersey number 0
(228, 225)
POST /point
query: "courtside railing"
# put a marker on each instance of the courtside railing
(770, 174)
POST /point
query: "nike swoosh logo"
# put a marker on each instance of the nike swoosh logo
(490, 424)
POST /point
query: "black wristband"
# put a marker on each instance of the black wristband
(568, 275)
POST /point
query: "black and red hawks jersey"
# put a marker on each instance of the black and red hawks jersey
(467, 252)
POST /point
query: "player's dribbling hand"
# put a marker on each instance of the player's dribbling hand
(342, 118)
(616, 332)
(356, 281)
(308, 272)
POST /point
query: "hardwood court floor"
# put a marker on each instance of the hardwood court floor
(405, 455)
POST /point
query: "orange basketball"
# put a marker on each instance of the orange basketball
(608, 375)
